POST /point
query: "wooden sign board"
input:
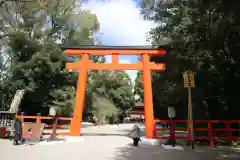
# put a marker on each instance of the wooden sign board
(188, 78)
(37, 130)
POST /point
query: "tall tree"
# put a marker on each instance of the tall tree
(31, 33)
(138, 87)
(114, 87)
(203, 38)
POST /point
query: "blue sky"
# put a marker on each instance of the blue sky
(121, 24)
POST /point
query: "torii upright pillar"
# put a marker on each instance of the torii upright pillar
(76, 124)
(148, 100)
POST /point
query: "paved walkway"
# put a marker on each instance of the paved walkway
(114, 146)
(158, 153)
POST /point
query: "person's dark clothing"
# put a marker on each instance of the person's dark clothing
(135, 135)
(135, 141)
(18, 131)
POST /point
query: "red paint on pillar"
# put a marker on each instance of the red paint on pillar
(148, 101)
(76, 124)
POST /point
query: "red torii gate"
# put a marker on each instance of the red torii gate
(86, 64)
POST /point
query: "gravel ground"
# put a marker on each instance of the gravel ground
(108, 143)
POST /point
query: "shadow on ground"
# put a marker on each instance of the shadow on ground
(158, 153)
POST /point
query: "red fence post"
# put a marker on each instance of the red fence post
(229, 131)
(21, 118)
(173, 130)
(38, 119)
(210, 136)
(154, 129)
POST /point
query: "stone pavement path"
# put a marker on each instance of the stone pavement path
(114, 146)
(94, 147)
(158, 153)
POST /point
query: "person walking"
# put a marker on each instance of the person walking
(17, 131)
(135, 135)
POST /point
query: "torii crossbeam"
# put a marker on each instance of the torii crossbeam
(85, 64)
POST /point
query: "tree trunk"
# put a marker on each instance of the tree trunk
(14, 107)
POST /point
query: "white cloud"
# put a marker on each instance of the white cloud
(121, 24)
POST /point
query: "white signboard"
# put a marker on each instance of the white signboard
(52, 111)
(171, 112)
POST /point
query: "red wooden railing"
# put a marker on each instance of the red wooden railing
(227, 130)
(211, 131)
(39, 119)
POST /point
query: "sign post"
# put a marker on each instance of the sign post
(53, 113)
(189, 83)
(171, 115)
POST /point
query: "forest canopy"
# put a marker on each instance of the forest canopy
(32, 59)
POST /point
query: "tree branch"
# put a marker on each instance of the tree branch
(4, 1)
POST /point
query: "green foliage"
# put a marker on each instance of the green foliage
(138, 87)
(104, 109)
(64, 99)
(36, 62)
(30, 36)
(202, 37)
(115, 86)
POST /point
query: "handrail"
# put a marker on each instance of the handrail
(38, 119)
(210, 129)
